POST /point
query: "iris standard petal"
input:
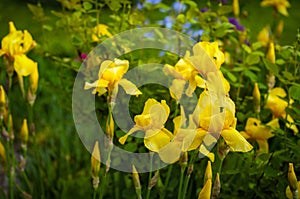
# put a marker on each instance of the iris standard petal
(129, 87)
(23, 65)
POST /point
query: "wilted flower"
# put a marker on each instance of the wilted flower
(110, 76)
(279, 5)
(259, 132)
(277, 105)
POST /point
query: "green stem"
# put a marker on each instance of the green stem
(150, 176)
(102, 186)
(95, 194)
(27, 181)
(186, 182)
(167, 181)
(181, 181)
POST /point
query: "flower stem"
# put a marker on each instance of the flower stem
(167, 181)
(181, 181)
(150, 176)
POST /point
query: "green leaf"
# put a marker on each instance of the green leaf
(251, 75)
(231, 76)
(280, 62)
(271, 67)
(256, 45)
(294, 91)
(288, 75)
(36, 10)
(246, 48)
(224, 10)
(252, 59)
(87, 5)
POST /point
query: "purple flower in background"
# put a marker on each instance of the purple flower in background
(236, 23)
(204, 10)
(187, 25)
(83, 56)
(179, 7)
(154, 2)
(248, 43)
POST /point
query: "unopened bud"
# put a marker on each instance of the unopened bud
(206, 190)
(154, 180)
(190, 170)
(292, 178)
(271, 53)
(236, 8)
(136, 182)
(256, 98)
(216, 187)
(223, 150)
(24, 134)
(279, 28)
(208, 172)
(95, 165)
(2, 153)
(271, 81)
(110, 127)
(2, 102)
(183, 159)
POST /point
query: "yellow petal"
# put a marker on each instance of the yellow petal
(129, 87)
(23, 65)
(28, 42)
(290, 124)
(33, 79)
(263, 145)
(158, 140)
(12, 27)
(235, 140)
(171, 152)
(176, 89)
(123, 139)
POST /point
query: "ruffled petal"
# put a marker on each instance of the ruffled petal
(171, 152)
(129, 87)
(235, 140)
(157, 140)
(23, 65)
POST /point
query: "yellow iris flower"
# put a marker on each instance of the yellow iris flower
(279, 5)
(277, 106)
(14, 46)
(183, 71)
(259, 132)
(152, 121)
(110, 75)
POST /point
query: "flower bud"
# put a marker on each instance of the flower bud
(95, 165)
(256, 98)
(236, 8)
(24, 134)
(110, 127)
(216, 187)
(33, 79)
(154, 180)
(136, 182)
(271, 81)
(271, 53)
(206, 190)
(2, 102)
(279, 28)
(292, 178)
(208, 172)
(183, 159)
(2, 153)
